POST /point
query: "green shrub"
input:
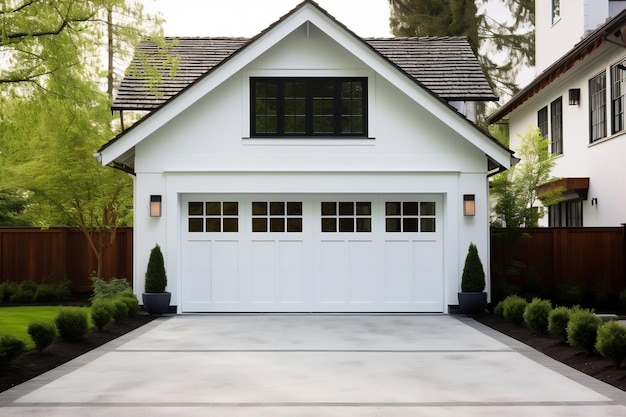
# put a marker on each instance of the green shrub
(109, 289)
(8, 289)
(611, 342)
(72, 324)
(10, 348)
(536, 315)
(473, 277)
(582, 329)
(513, 310)
(25, 293)
(101, 313)
(131, 302)
(120, 309)
(156, 278)
(499, 309)
(570, 294)
(43, 333)
(557, 322)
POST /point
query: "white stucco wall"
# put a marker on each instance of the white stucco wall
(602, 161)
(207, 149)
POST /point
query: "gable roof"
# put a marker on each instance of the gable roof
(119, 152)
(613, 31)
(445, 65)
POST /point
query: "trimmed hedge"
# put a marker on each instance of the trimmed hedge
(536, 315)
(10, 348)
(72, 324)
(513, 309)
(582, 329)
(43, 333)
(101, 313)
(557, 322)
(611, 342)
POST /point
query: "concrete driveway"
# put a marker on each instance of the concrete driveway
(319, 365)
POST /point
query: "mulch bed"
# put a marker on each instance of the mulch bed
(593, 365)
(33, 363)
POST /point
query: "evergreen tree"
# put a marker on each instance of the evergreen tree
(514, 40)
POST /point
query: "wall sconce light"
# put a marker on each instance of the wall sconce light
(574, 96)
(155, 206)
(594, 201)
(469, 205)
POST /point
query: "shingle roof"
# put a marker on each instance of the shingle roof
(445, 65)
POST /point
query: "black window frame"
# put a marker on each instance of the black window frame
(556, 126)
(597, 108)
(542, 121)
(618, 97)
(566, 214)
(337, 116)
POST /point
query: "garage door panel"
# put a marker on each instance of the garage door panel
(398, 282)
(226, 285)
(262, 272)
(331, 267)
(197, 270)
(428, 264)
(292, 273)
(362, 272)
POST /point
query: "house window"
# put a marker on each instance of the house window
(597, 107)
(410, 216)
(556, 11)
(542, 121)
(618, 87)
(566, 214)
(346, 216)
(213, 216)
(277, 216)
(308, 107)
(556, 118)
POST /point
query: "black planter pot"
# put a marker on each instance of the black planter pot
(156, 303)
(472, 303)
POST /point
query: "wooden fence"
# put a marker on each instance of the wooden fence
(55, 254)
(590, 257)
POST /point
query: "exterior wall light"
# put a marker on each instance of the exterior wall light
(469, 205)
(155, 206)
(574, 96)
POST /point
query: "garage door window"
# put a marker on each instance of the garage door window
(341, 216)
(213, 216)
(277, 216)
(410, 216)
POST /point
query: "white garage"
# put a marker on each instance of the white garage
(312, 253)
(309, 170)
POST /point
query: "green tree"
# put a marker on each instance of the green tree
(488, 37)
(54, 110)
(516, 189)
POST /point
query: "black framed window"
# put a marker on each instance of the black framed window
(618, 91)
(556, 11)
(542, 121)
(308, 107)
(597, 107)
(556, 128)
(566, 214)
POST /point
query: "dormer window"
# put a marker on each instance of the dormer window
(305, 107)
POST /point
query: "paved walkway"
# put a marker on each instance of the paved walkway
(320, 365)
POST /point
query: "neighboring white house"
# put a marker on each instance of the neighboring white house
(578, 101)
(309, 170)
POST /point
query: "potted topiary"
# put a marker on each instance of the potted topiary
(155, 299)
(472, 298)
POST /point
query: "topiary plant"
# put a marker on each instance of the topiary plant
(557, 322)
(156, 278)
(514, 307)
(473, 278)
(72, 324)
(10, 348)
(582, 329)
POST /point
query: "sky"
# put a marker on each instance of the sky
(367, 18)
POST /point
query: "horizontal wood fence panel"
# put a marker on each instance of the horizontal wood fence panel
(52, 255)
(593, 257)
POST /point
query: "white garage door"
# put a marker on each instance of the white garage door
(312, 253)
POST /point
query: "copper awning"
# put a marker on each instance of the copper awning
(569, 186)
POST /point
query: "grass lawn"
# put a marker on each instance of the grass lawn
(15, 320)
